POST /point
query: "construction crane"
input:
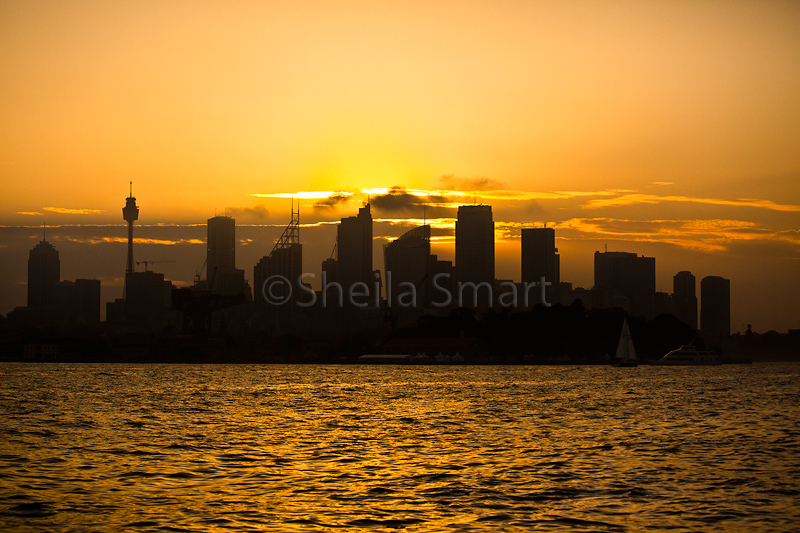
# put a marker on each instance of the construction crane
(151, 262)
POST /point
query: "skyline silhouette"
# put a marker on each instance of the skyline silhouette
(441, 229)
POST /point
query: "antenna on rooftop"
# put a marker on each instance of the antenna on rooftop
(44, 231)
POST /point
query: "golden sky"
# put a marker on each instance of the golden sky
(665, 128)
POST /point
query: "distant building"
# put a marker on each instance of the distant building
(540, 259)
(285, 260)
(715, 308)
(407, 261)
(44, 273)
(221, 243)
(475, 244)
(663, 304)
(221, 273)
(622, 278)
(148, 299)
(354, 251)
(76, 303)
(444, 283)
(684, 297)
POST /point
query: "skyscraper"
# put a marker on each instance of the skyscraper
(285, 259)
(221, 244)
(715, 308)
(44, 273)
(221, 273)
(626, 276)
(354, 249)
(475, 244)
(540, 259)
(407, 260)
(684, 297)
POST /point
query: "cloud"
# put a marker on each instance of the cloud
(632, 199)
(332, 201)
(305, 195)
(254, 213)
(28, 213)
(400, 199)
(709, 235)
(136, 240)
(69, 211)
(662, 183)
(452, 182)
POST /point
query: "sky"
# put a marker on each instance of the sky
(669, 129)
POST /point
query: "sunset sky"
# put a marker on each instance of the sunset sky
(669, 129)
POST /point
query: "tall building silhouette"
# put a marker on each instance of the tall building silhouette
(684, 297)
(715, 308)
(76, 303)
(475, 244)
(622, 278)
(221, 243)
(354, 250)
(221, 273)
(44, 273)
(407, 260)
(285, 259)
(540, 259)
(130, 213)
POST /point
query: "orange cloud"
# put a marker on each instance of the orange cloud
(631, 199)
(70, 211)
(102, 240)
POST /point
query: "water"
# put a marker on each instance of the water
(284, 448)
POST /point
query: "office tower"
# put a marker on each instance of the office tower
(76, 303)
(221, 244)
(148, 300)
(621, 277)
(354, 250)
(540, 259)
(475, 244)
(407, 260)
(285, 259)
(715, 308)
(684, 297)
(44, 273)
(130, 213)
(222, 276)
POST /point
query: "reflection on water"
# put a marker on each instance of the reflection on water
(283, 448)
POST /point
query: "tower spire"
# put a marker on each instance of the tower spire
(130, 213)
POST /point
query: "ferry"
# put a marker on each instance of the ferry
(689, 355)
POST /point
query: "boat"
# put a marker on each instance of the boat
(626, 355)
(689, 354)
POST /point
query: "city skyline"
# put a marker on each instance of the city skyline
(665, 130)
(621, 279)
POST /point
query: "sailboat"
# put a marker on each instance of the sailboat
(626, 355)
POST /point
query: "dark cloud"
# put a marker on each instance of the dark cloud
(453, 183)
(399, 200)
(331, 201)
